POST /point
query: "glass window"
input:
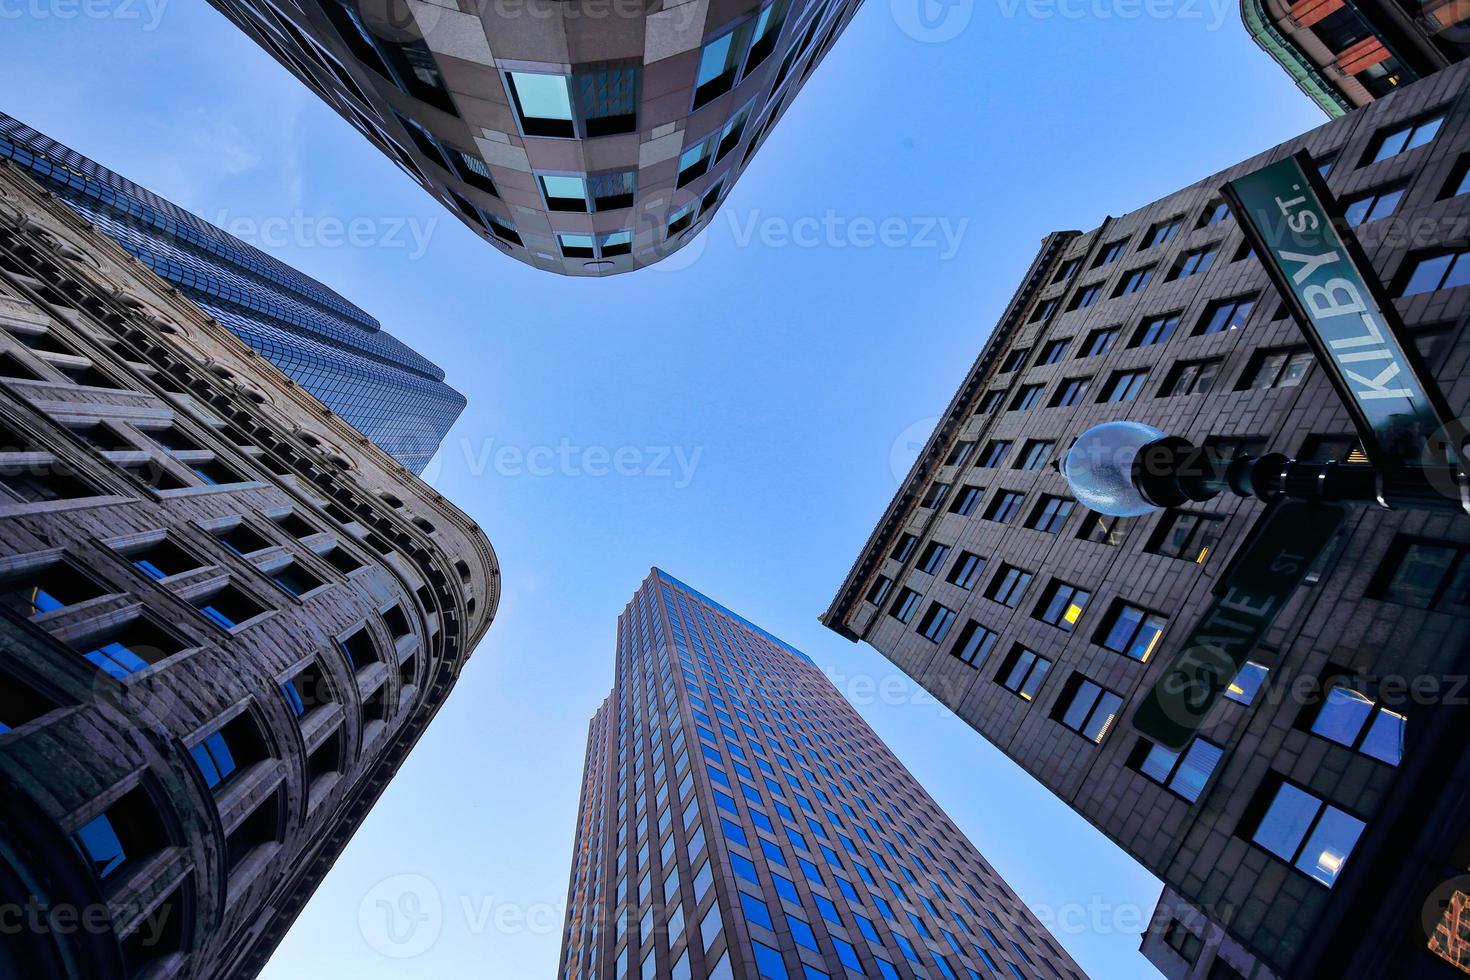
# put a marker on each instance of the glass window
(1008, 585)
(1372, 205)
(1124, 386)
(1184, 773)
(1087, 708)
(1351, 718)
(1443, 270)
(1023, 672)
(1307, 832)
(1424, 573)
(1403, 138)
(974, 644)
(1225, 315)
(543, 103)
(1132, 631)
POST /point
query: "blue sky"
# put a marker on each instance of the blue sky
(739, 416)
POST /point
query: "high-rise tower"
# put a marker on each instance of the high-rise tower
(588, 137)
(740, 820)
(391, 393)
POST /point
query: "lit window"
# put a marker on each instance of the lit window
(1062, 605)
(1131, 631)
(1023, 672)
(1247, 683)
(1186, 535)
(1087, 708)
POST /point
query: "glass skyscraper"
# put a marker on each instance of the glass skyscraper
(389, 392)
(738, 819)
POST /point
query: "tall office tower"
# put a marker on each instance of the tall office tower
(1319, 807)
(388, 391)
(225, 619)
(1346, 53)
(740, 821)
(588, 137)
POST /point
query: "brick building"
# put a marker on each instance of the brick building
(1345, 53)
(225, 618)
(739, 819)
(1322, 804)
(585, 138)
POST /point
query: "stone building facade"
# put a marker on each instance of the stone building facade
(225, 619)
(740, 821)
(1345, 53)
(585, 138)
(1321, 806)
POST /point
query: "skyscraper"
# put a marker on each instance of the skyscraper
(585, 138)
(1315, 815)
(1345, 53)
(224, 620)
(389, 392)
(739, 820)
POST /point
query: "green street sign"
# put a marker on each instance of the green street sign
(1332, 290)
(1246, 602)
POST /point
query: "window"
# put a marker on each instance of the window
(1026, 397)
(1062, 605)
(1459, 182)
(1227, 314)
(935, 496)
(990, 402)
(967, 568)
(19, 703)
(1003, 506)
(127, 831)
(1103, 528)
(935, 623)
(1131, 631)
(1067, 270)
(1444, 270)
(965, 501)
(959, 454)
(1341, 29)
(307, 689)
(1214, 213)
(974, 644)
(1280, 367)
(1193, 262)
(879, 591)
(1087, 708)
(1070, 392)
(128, 648)
(933, 557)
(1034, 454)
(1351, 718)
(903, 607)
(1086, 296)
(228, 607)
(767, 30)
(1182, 773)
(903, 548)
(1424, 573)
(1403, 138)
(51, 587)
(1326, 163)
(1008, 585)
(1014, 359)
(768, 962)
(1053, 351)
(1192, 377)
(225, 752)
(242, 539)
(719, 63)
(1185, 943)
(1134, 281)
(1155, 330)
(1124, 386)
(1043, 310)
(1247, 683)
(296, 580)
(359, 649)
(1098, 342)
(1050, 514)
(1303, 830)
(681, 219)
(993, 454)
(543, 103)
(755, 911)
(1162, 232)
(1185, 534)
(1324, 449)
(1111, 252)
(1023, 672)
(1372, 205)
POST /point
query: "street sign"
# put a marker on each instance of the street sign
(1251, 592)
(1330, 287)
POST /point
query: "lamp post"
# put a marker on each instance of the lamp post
(1125, 469)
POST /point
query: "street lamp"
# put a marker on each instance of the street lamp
(1125, 469)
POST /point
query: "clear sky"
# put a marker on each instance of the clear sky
(766, 389)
